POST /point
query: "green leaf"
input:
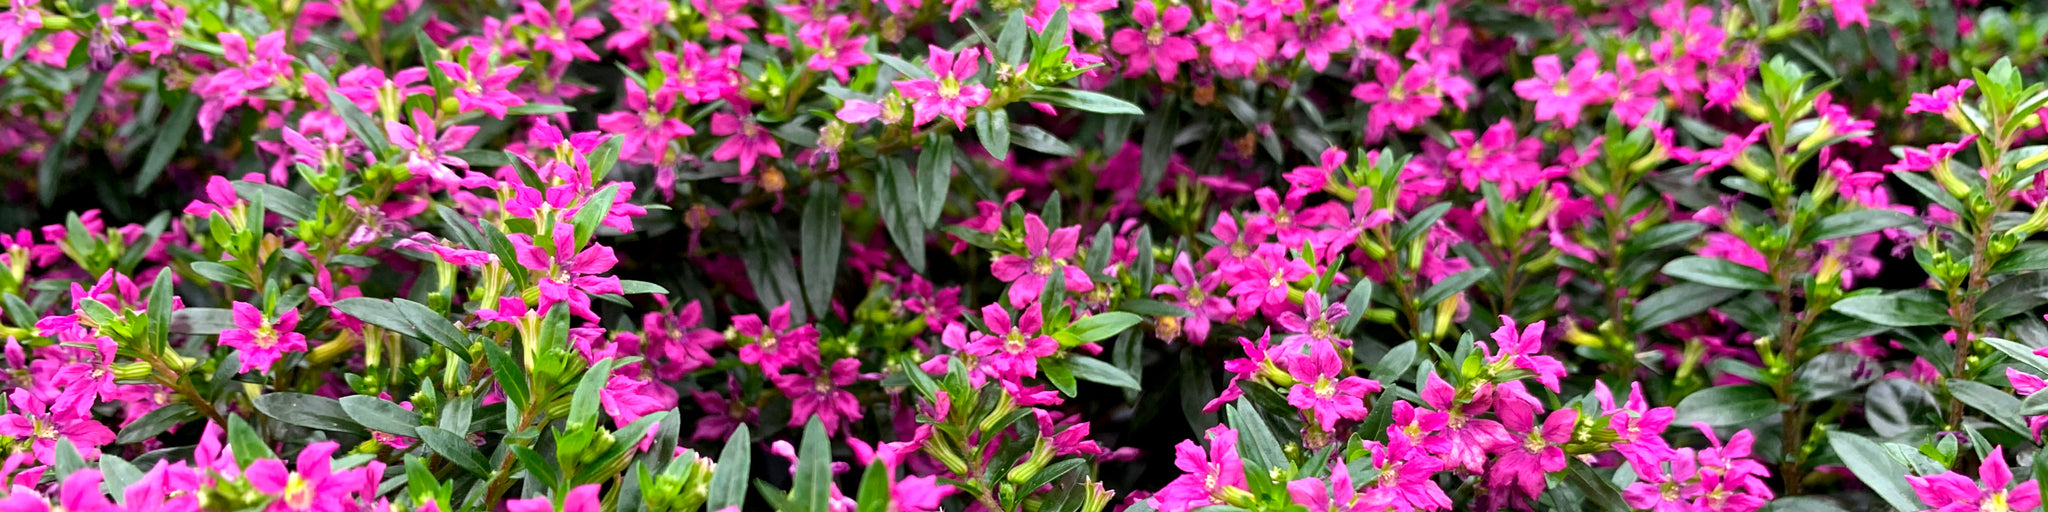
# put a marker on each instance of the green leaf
(1719, 272)
(202, 321)
(248, 446)
(591, 215)
(2014, 295)
(1420, 223)
(822, 233)
(1037, 139)
(168, 139)
(1156, 150)
(434, 327)
(537, 465)
(896, 197)
(1726, 406)
(87, 99)
(2020, 353)
(1153, 308)
(221, 274)
(1998, 405)
(173, 414)
(1664, 235)
(377, 312)
(631, 287)
(310, 411)
(456, 448)
(381, 415)
(1015, 40)
(1256, 442)
(70, 461)
(1876, 468)
(729, 480)
(278, 199)
(1097, 371)
(1892, 310)
(1087, 101)
(1848, 224)
(506, 371)
(603, 158)
(1452, 285)
(1060, 375)
(811, 487)
(1599, 492)
(874, 489)
(359, 124)
(934, 177)
(992, 127)
(1101, 326)
(584, 405)
(118, 474)
(1679, 302)
(539, 109)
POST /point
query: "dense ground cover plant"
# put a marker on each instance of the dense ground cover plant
(1037, 256)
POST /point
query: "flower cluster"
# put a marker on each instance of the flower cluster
(1022, 256)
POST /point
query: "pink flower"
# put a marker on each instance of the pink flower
(699, 76)
(1193, 294)
(1519, 350)
(646, 125)
(565, 273)
(1661, 489)
(1916, 159)
(1321, 392)
(262, 341)
(1470, 436)
(1245, 368)
(34, 421)
(1044, 253)
(1206, 476)
(1525, 464)
(559, 31)
(158, 32)
(775, 344)
(583, 498)
(744, 139)
(220, 198)
(1339, 495)
(1404, 99)
(1235, 44)
(917, 494)
(1561, 96)
(821, 392)
(1265, 281)
(20, 20)
(1316, 325)
(1733, 248)
(725, 19)
(428, 150)
(251, 71)
(1950, 492)
(1156, 43)
(314, 488)
(833, 49)
(946, 93)
(480, 86)
(1941, 100)
(1010, 351)
(1406, 479)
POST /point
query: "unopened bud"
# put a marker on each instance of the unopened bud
(1041, 454)
(132, 370)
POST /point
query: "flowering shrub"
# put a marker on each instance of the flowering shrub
(1009, 256)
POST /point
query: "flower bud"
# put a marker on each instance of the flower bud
(133, 370)
(1041, 454)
